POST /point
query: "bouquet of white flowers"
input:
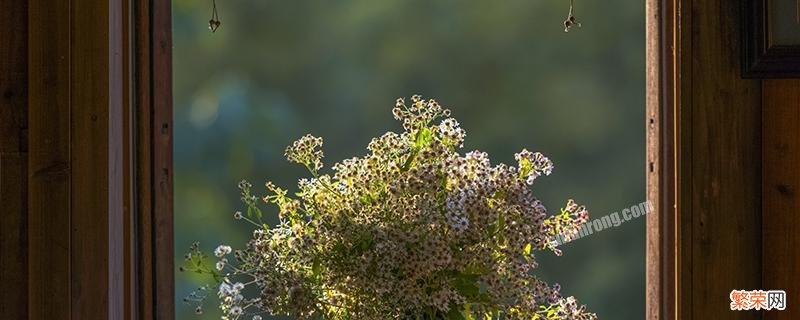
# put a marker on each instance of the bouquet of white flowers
(412, 230)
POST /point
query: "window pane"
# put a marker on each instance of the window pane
(276, 70)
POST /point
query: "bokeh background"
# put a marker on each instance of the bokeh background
(276, 70)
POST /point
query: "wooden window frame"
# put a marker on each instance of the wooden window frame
(663, 47)
(99, 164)
(151, 156)
(118, 72)
(661, 228)
(704, 162)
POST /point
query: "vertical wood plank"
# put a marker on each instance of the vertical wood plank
(131, 276)
(653, 291)
(153, 96)
(683, 58)
(76, 226)
(726, 164)
(781, 183)
(13, 158)
(49, 165)
(13, 236)
(162, 160)
(661, 288)
(96, 155)
(143, 174)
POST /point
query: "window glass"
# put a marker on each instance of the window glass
(275, 70)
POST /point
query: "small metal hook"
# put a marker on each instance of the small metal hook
(214, 23)
(571, 20)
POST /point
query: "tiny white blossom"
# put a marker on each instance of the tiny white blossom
(222, 250)
(236, 311)
(238, 286)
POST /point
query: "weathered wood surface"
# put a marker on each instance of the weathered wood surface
(725, 179)
(706, 154)
(86, 175)
(49, 164)
(781, 184)
(153, 92)
(75, 160)
(13, 158)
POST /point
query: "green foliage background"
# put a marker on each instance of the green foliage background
(278, 69)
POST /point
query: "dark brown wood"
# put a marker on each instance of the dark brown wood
(725, 180)
(143, 169)
(76, 188)
(162, 161)
(96, 154)
(13, 158)
(49, 164)
(705, 176)
(153, 58)
(781, 183)
(86, 159)
(683, 108)
(130, 244)
(760, 57)
(13, 236)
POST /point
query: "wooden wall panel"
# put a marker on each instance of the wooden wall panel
(781, 184)
(706, 239)
(96, 159)
(13, 158)
(75, 163)
(50, 162)
(86, 228)
(153, 92)
(725, 180)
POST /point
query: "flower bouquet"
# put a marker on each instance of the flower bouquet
(411, 230)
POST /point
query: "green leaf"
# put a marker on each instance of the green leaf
(501, 224)
(467, 285)
(316, 268)
(455, 314)
(424, 137)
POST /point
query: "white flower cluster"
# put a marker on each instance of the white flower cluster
(412, 230)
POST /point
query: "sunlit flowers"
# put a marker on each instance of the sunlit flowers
(411, 230)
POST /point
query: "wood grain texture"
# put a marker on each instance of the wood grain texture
(131, 276)
(661, 294)
(49, 164)
(683, 56)
(781, 183)
(162, 161)
(90, 161)
(143, 151)
(705, 148)
(153, 92)
(13, 236)
(86, 151)
(669, 158)
(13, 158)
(96, 154)
(75, 167)
(725, 179)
